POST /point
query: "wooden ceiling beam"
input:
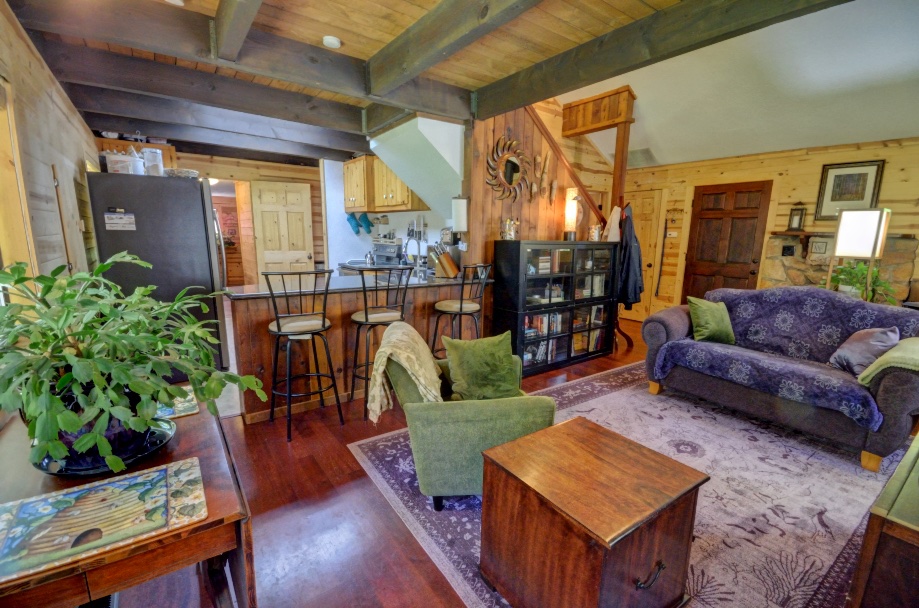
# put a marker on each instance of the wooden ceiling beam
(377, 116)
(678, 29)
(441, 32)
(232, 24)
(158, 109)
(120, 124)
(160, 28)
(83, 65)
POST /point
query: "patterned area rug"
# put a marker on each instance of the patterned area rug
(779, 524)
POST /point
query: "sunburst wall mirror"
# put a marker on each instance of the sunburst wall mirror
(507, 169)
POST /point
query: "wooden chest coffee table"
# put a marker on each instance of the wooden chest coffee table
(576, 515)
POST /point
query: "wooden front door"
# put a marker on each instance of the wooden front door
(726, 237)
(646, 216)
(282, 214)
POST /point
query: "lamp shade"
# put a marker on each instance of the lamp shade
(571, 209)
(460, 215)
(862, 233)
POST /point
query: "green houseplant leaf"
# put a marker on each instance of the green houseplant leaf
(76, 352)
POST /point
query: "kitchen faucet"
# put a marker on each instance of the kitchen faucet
(417, 271)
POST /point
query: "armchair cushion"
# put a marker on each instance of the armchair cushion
(483, 368)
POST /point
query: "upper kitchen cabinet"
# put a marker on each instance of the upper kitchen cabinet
(372, 186)
(391, 193)
(358, 178)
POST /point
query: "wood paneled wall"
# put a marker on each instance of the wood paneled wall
(251, 170)
(540, 217)
(50, 132)
(795, 176)
(592, 167)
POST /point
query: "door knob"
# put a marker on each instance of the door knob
(753, 272)
(649, 265)
(755, 261)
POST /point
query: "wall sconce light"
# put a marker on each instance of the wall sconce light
(571, 213)
(460, 215)
(796, 218)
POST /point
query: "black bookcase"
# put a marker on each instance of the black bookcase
(556, 299)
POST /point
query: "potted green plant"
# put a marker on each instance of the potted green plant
(852, 277)
(86, 364)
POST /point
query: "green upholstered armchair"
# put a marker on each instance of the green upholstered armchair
(448, 438)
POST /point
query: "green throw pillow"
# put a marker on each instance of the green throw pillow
(710, 321)
(483, 368)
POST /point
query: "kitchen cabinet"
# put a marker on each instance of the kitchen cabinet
(372, 186)
(359, 183)
(556, 299)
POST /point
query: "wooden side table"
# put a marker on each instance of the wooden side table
(887, 575)
(225, 536)
(575, 515)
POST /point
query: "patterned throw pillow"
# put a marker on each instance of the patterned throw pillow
(863, 348)
(710, 321)
(483, 368)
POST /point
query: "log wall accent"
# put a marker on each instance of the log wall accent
(50, 132)
(795, 176)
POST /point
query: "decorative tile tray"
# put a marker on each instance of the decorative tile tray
(180, 406)
(54, 529)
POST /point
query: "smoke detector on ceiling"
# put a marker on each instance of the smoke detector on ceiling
(331, 42)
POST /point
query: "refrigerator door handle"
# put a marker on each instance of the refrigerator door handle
(223, 251)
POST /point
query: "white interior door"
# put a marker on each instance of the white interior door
(282, 214)
(646, 215)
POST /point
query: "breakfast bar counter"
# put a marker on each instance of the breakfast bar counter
(251, 310)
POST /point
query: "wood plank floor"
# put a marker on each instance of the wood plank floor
(324, 535)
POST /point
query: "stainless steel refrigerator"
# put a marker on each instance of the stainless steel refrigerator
(169, 222)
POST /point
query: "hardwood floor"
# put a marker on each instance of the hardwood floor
(324, 535)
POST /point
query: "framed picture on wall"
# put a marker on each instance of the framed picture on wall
(849, 186)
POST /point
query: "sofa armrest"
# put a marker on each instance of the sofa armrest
(664, 326)
(896, 392)
(448, 438)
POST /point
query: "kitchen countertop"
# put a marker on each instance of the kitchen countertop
(340, 284)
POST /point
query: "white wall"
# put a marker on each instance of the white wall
(343, 243)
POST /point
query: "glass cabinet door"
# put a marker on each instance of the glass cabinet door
(539, 261)
(561, 261)
(548, 290)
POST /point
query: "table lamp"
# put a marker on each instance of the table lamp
(571, 213)
(860, 234)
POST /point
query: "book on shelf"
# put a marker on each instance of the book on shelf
(552, 347)
(541, 353)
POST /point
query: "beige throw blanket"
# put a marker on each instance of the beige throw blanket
(407, 348)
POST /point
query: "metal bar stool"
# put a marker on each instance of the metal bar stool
(474, 277)
(299, 303)
(384, 289)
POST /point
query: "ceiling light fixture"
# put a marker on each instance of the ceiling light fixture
(330, 42)
(212, 181)
(176, 2)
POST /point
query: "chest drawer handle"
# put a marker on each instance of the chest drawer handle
(641, 585)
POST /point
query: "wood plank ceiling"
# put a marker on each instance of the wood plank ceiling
(453, 58)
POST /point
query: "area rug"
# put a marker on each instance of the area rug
(779, 524)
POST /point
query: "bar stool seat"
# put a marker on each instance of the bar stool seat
(457, 306)
(297, 324)
(382, 315)
(299, 303)
(473, 277)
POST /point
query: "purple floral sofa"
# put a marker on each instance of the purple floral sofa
(778, 369)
